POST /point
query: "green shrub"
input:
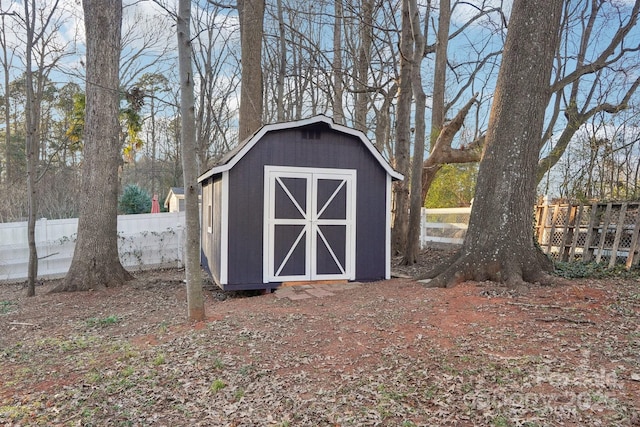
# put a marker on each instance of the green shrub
(134, 200)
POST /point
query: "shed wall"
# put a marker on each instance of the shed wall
(320, 148)
(211, 230)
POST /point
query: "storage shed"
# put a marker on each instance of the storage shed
(306, 200)
(175, 200)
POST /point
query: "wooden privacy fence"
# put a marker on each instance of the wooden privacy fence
(600, 232)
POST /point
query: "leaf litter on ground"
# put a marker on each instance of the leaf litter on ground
(391, 353)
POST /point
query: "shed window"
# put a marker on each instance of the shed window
(209, 218)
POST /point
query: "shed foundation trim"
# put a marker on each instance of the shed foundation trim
(314, 282)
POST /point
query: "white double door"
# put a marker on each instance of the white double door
(309, 230)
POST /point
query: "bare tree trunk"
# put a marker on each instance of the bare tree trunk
(440, 72)
(363, 64)
(298, 85)
(154, 144)
(31, 148)
(338, 89)
(412, 247)
(403, 134)
(428, 173)
(441, 137)
(499, 243)
(251, 30)
(282, 64)
(95, 262)
(383, 120)
(195, 301)
(7, 101)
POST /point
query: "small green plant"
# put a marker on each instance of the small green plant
(127, 371)
(217, 385)
(239, 394)
(16, 412)
(102, 322)
(218, 364)
(6, 306)
(126, 351)
(87, 414)
(159, 359)
(94, 376)
(245, 370)
(74, 343)
(430, 392)
(390, 394)
(164, 327)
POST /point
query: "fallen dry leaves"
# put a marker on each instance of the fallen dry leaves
(390, 353)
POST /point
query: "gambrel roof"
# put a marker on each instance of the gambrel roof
(229, 160)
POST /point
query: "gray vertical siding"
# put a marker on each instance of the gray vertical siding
(211, 242)
(289, 148)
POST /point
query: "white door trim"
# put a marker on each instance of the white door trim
(310, 221)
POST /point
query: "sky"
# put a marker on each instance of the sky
(146, 25)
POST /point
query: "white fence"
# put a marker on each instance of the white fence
(144, 241)
(447, 225)
(157, 240)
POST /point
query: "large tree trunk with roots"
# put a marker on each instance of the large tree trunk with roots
(499, 244)
(95, 262)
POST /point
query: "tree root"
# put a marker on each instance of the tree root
(87, 278)
(515, 273)
(440, 268)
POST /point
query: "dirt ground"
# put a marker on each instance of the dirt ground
(392, 353)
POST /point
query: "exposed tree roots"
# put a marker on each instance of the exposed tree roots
(515, 272)
(93, 278)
